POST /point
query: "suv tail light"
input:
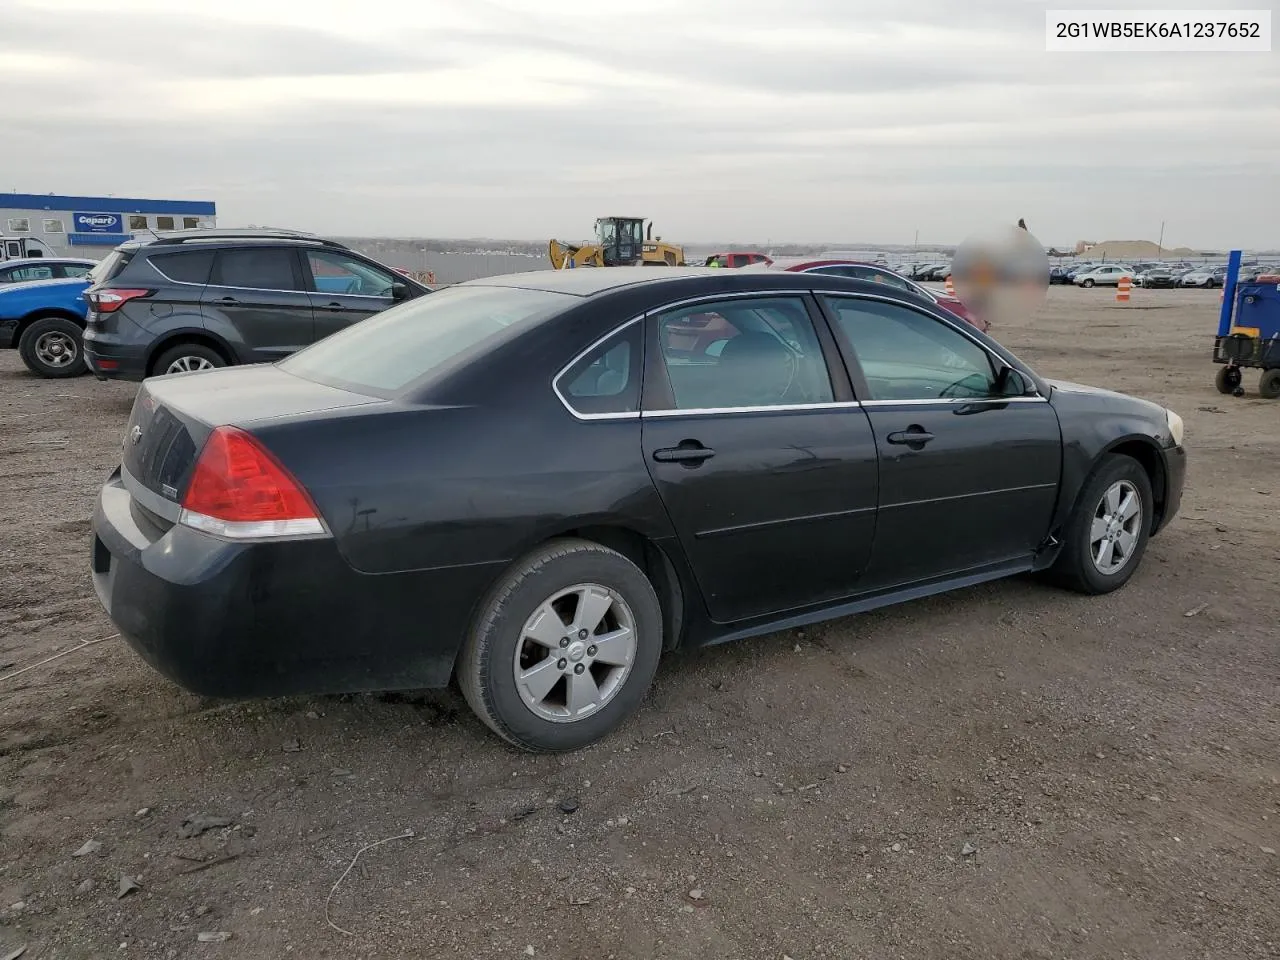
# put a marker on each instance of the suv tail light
(111, 299)
(238, 490)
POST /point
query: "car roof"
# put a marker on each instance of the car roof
(692, 281)
(588, 281)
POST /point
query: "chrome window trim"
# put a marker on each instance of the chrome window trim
(772, 408)
(564, 401)
(779, 408)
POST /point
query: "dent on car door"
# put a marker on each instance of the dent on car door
(765, 465)
(969, 465)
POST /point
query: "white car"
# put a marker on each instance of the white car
(1107, 275)
(1207, 278)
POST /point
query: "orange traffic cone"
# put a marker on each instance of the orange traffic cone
(1122, 290)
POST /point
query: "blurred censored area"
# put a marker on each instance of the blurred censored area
(1001, 273)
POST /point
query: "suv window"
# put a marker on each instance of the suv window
(257, 268)
(342, 274)
(190, 266)
(908, 355)
(606, 380)
(754, 352)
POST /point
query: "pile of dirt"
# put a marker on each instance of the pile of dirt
(1133, 250)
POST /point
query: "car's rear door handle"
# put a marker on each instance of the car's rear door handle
(911, 437)
(229, 300)
(683, 454)
(333, 306)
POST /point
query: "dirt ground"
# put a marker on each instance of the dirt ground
(1010, 771)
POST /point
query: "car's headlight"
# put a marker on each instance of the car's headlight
(1175, 426)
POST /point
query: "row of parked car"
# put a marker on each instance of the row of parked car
(1153, 275)
(190, 301)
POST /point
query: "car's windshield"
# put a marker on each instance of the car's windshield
(393, 350)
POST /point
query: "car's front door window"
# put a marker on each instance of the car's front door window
(756, 352)
(908, 355)
(337, 273)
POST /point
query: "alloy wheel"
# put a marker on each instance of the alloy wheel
(1116, 528)
(575, 652)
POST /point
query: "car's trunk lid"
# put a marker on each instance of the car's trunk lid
(173, 416)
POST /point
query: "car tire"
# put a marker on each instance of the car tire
(53, 348)
(1078, 566)
(512, 633)
(1227, 379)
(1086, 283)
(187, 358)
(1269, 384)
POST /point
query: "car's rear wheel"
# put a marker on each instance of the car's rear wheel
(188, 358)
(1269, 384)
(1107, 533)
(563, 648)
(52, 347)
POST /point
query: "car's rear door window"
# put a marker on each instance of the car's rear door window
(749, 352)
(402, 347)
(257, 268)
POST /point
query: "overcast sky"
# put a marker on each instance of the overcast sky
(789, 120)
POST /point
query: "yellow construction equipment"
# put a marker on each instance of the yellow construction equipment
(620, 242)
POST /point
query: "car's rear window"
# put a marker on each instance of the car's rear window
(110, 265)
(402, 346)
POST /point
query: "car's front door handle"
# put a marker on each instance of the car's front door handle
(229, 300)
(333, 306)
(912, 437)
(688, 454)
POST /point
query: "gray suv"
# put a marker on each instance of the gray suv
(213, 298)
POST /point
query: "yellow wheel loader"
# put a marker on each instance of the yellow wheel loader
(620, 242)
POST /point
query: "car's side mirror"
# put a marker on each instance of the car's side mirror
(400, 291)
(1010, 383)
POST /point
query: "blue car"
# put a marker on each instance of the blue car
(44, 320)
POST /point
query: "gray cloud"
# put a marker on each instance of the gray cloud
(710, 130)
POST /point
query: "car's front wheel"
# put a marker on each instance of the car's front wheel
(1086, 283)
(564, 647)
(53, 347)
(1107, 533)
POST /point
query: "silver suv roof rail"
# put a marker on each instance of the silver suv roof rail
(218, 233)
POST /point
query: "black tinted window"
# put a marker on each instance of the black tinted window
(258, 269)
(191, 266)
(607, 380)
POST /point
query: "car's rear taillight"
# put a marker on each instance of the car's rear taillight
(240, 491)
(111, 299)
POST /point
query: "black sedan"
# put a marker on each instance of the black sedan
(540, 483)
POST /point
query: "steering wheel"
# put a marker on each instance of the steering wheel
(952, 390)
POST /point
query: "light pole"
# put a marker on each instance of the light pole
(1160, 243)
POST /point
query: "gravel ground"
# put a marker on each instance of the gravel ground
(1009, 771)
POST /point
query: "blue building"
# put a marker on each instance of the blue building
(90, 226)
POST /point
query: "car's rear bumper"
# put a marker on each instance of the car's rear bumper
(269, 619)
(1175, 477)
(114, 361)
